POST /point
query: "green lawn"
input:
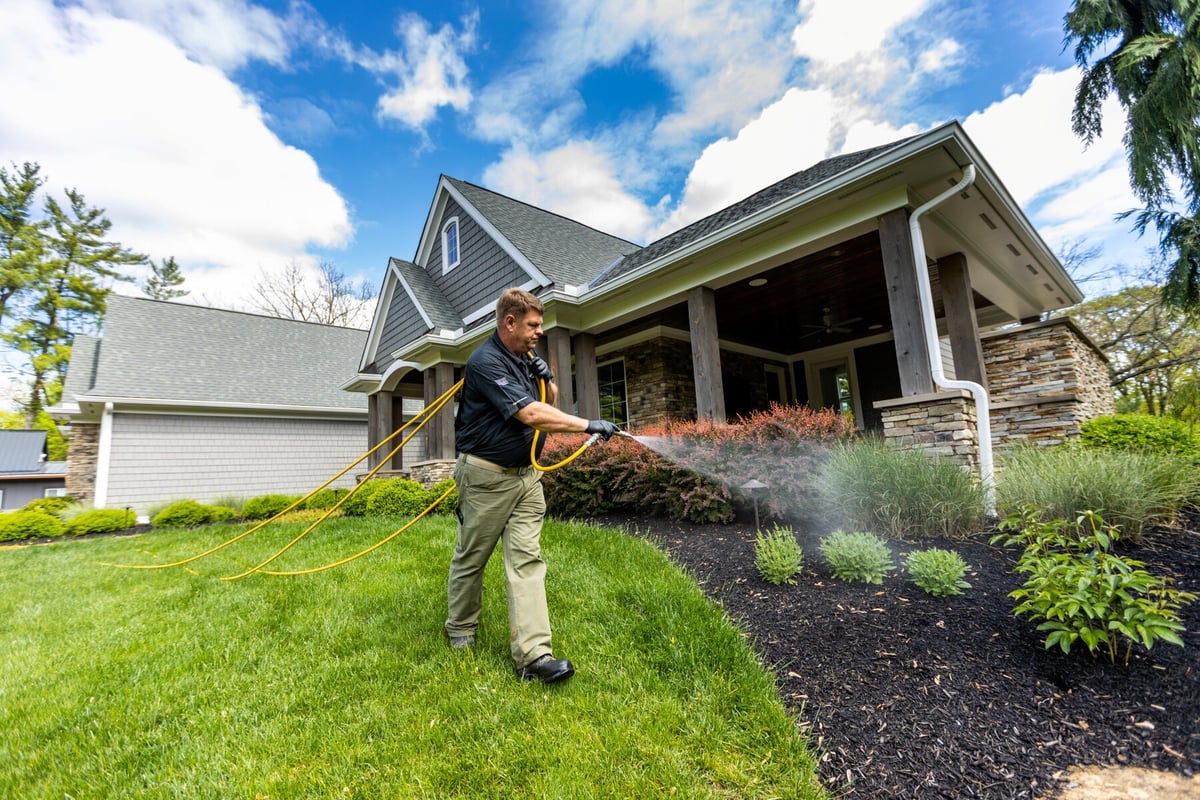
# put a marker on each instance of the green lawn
(118, 683)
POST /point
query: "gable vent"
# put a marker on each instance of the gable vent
(987, 221)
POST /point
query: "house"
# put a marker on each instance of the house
(25, 474)
(177, 401)
(807, 291)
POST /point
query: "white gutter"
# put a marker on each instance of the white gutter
(983, 419)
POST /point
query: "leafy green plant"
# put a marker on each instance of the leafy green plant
(1131, 489)
(937, 572)
(901, 491)
(182, 514)
(356, 504)
(777, 555)
(325, 498)
(1083, 592)
(267, 505)
(22, 524)
(449, 503)
(398, 497)
(50, 505)
(100, 520)
(860, 556)
(1141, 432)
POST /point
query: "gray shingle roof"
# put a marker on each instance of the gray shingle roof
(788, 187)
(429, 296)
(155, 350)
(566, 251)
(22, 452)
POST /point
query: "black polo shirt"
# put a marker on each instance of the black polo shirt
(496, 385)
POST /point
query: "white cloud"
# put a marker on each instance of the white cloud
(178, 156)
(430, 71)
(576, 181)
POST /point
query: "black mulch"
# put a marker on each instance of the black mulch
(905, 695)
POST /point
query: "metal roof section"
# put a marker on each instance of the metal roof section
(24, 453)
(170, 354)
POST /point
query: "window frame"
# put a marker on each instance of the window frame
(624, 394)
(451, 224)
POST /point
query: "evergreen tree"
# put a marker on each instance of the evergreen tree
(164, 281)
(20, 235)
(1154, 70)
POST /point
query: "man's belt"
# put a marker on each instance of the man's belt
(483, 463)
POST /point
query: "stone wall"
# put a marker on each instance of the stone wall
(659, 382)
(942, 424)
(1045, 379)
(427, 473)
(83, 451)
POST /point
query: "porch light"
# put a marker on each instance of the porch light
(758, 282)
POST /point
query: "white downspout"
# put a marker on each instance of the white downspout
(982, 407)
(103, 457)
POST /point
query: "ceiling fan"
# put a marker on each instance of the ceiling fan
(829, 325)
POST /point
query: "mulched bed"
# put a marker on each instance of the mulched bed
(905, 695)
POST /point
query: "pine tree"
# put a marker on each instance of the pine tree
(165, 278)
(20, 235)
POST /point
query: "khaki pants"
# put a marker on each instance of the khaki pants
(495, 503)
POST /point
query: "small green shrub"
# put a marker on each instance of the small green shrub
(356, 504)
(777, 555)
(100, 520)
(901, 491)
(397, 497)
(231, 501)
(938, 572)
(1143, 433)
(266, 506)
(858, 556)
(325, 498)
(1131, 489)
(1082, 592)
(18, 525)
(49, 505)
(449, 503)
(182, 514)
(222, 513)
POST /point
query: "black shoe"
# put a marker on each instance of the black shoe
(462, 642)
(546, 669)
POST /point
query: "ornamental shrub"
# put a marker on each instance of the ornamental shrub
(50, 505)
(17, 525)
(1082, 592)
(938, 572)
(100, 520)
(1131, 489)
(397, 497)
(182, 514)
(904, 492)
(860, 556)
(356, 504)
(1141, 432)
(266, 506)
(777, 555)
(449, 503)
(325, 498)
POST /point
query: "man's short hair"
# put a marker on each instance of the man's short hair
(517, 302)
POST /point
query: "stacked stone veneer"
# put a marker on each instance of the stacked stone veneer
(83, 453)
(942, 424)
(427, 473)
(1045, 379)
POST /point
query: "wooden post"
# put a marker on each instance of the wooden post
(916, 376)
(444, 421)
(959, 305)
(587, 383)
(706, 354)
(558, 341)
(432, 429)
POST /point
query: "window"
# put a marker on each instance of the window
(57, 491)
(835, 387)
(450, 251)
(776, 383)
(613, 406)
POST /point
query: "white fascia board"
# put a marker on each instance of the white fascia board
(381, 308)
(428, 232)
(535, 274)
(121, 403)
(362, 383)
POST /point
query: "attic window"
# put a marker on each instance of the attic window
(450, 252)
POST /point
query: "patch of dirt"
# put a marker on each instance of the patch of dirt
(905, 695)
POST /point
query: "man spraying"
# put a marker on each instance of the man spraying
(500, 492)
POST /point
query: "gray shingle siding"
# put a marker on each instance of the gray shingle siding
(484, 270)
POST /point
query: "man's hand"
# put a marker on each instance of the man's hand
(540, 369)
(602, 427)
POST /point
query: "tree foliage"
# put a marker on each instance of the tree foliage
(1147, 53)
(164, 281)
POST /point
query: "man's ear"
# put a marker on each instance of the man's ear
(510, 322)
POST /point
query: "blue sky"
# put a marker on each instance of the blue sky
(241, 137)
